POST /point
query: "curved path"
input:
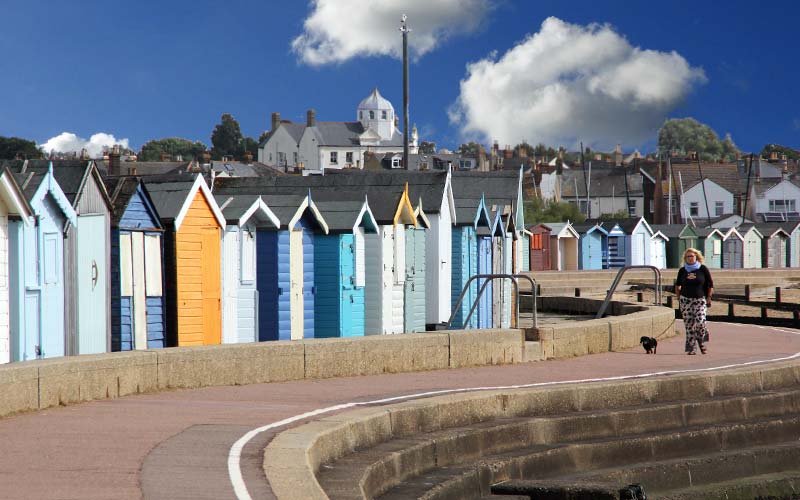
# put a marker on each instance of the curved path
(176, 444)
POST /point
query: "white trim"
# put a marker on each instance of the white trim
(660, 234)
(448, 187)
(13, 199)
(199, 183)
(256, 206)
(308, 203)
(49, 185)
(365, 210)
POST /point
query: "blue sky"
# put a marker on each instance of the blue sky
(145, 70)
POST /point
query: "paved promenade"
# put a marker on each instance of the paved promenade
(175, 444)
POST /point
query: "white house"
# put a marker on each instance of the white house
(706, 200)
(776, 199)
(317, 146)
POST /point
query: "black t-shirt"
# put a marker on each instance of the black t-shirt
(694, 284)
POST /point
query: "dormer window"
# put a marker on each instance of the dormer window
(384, 115)
(371, 115)
(396, 161)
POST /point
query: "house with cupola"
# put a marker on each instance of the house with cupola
(317, 146)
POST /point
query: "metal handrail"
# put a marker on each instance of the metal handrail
(617, 280)
(489, 278)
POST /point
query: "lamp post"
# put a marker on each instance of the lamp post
(405, 30)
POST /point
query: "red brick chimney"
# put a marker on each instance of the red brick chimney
(114, 162)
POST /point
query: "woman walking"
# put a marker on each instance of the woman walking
(694, 289)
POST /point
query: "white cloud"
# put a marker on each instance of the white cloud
(338, 30)
(67, 142)
(568, 83)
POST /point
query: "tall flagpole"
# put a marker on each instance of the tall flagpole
(405, 30)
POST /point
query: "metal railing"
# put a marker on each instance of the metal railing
(618, 278)
(488, 279)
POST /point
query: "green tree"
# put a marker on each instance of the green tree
(173, 146)
(619, 214)
(263, 136)
(227, 139)
(790, 153)
(544, 151)
(529, 150)
(687, 134)
(427, 148)
(471, 149)
(538, 210)
(13, 147)
(251, 145)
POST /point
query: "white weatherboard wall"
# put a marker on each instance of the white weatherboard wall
(438, 265)
(230, 273)
(714, 193)
(5, 332)
(383, 293)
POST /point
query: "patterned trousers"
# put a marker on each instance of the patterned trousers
(694, 318)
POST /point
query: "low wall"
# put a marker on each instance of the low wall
(34, 385)
(611, 333)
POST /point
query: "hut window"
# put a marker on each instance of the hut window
(358, 250)
(248, 255)
(152, 265)
(717, 247)
(719, 208)
(399, 253)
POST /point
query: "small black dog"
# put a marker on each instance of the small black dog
(650, 344)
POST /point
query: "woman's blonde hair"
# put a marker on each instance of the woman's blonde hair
(697, 253)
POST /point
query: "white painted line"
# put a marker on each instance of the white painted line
(235, 453)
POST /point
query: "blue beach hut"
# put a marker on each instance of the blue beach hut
(12, 205)
(37, 279)
(593, 245)
(471, 215)
(137, 273)
(285, 269)
(340, 271)
(244, 216)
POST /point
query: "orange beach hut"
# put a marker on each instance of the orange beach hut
(193, 225)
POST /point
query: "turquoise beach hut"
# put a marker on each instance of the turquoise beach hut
(471, 215)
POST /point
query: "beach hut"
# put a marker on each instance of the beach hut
(680, 237)
(193, 225)
(244, 216)
(592, 246)
(752, 245)
(485, 261)
(564, 245)
(87, 258)
(36, 251)
(658, 250)
(285, 267)
(732, 249)
(385, 259)
(628, 242)
(471, 215)
(793, 230)
(774, 245)
(498, 263)
(414, 288)
(510, 260)
(12, 205)
(137, 275)
(709, 241)
(339, 271)
(540, 247)
(617, 246)
(525, 249)
(434, 190)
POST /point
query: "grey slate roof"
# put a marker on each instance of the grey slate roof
(120, 191)
(168, 197)
(498, 187)
(668, 230)
(341, 216)
(768, 228)
(347, 134)
(239, 169)
(233, 207)
(604, 182)
(145, 168)
(29, 180)
(765, 184)
(582, 227)
(703, 232)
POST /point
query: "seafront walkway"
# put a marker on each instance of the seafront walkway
(177, 444)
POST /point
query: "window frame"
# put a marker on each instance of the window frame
(334, 158)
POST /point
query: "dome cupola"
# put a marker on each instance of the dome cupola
(377, 113)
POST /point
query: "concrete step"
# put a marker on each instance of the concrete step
(564, 461)
(398, 461)
(773, 486)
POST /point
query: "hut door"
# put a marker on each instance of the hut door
(91, 275)
(775, 254)
(296, 283)
(738, 257)
(230, 284)
(138, 297)
(484, 267)
(410, 284)
(210, 288)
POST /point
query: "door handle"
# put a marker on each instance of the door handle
(95, 274)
